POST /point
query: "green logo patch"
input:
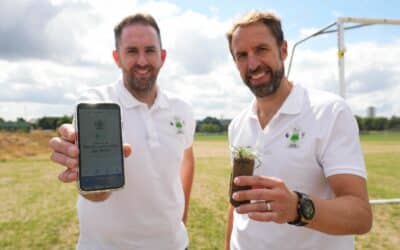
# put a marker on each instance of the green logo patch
(294, 137)
(179, 124)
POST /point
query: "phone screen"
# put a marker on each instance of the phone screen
(100, 147)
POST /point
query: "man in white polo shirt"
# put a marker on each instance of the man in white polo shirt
(150, 211)
(309, 191)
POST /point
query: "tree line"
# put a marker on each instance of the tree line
(365, 124)
(378, 123)
(207, 125)
(44, 123)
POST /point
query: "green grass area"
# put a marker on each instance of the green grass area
(210, 137)
(383, 137)
(38, 212)
(383, 175)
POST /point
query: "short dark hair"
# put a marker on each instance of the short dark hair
(138, 18)
(269, 19)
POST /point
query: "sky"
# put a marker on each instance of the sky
(53, 50)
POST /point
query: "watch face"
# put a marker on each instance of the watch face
(307, 209)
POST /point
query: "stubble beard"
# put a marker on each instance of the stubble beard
(269, 87)
(141, 87)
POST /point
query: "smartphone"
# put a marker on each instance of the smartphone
(101, 161)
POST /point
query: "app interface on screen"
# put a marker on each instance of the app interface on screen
(100, 142)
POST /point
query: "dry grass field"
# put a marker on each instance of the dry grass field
(38, 212)
(15, 145)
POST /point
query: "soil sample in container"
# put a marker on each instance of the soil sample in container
(243, 165)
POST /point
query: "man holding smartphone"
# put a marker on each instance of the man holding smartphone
(150, 211)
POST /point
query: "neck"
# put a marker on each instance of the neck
(148, 96)
(269, 105)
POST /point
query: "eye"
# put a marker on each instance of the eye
(262, 49)
(241, 56)
(150, 50)
(131, 51)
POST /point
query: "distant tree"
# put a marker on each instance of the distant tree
(379, 123)
(23, 125)
(209, 128)
(53, 122)
(209, 125)
(47, 122)
(360, 123)
(368, 123)
(19, 125)
(64, 119)
(211, 120)
(225, 124)
(393, 123)
(34, 125)
(1, 120)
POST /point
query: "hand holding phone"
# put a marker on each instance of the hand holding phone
(65, 152)
(101, 163)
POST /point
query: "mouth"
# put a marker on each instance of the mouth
(142, 72)
(258, 77)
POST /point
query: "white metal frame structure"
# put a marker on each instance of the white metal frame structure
(340, 28)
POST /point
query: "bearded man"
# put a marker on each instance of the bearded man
(150, 211)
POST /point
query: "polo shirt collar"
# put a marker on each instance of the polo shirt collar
(161, 100)
(129, 101)
(291, 106)
(294, 102)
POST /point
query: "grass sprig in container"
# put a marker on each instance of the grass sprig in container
(243, 165)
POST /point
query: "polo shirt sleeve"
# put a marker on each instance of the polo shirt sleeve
(341, 150)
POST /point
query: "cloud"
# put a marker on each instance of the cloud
(219, 93)
(31, 110)
(386, 102)
(49, 83)
(51, 51)
(39, 29)
(372, 74)
(197, 42)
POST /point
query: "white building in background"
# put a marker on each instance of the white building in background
(371, 111)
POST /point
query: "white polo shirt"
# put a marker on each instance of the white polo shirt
(147, 213)
(313, 135)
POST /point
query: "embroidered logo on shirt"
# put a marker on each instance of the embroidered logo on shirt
(179, 124)
(294, 137)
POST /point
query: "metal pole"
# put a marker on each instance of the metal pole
(384, 201)
(341, 51)
(369, 20)
(319, 32)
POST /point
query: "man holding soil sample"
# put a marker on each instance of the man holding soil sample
(309, 191)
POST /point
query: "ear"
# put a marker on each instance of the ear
(283, 50)
(163, 55)
(116, 58)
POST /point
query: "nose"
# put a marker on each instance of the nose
(253, 62)
(142, 60)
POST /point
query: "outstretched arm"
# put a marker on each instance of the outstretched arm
(187, 173)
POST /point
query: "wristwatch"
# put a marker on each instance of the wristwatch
(305, 210)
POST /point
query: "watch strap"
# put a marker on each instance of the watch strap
(298, 221)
